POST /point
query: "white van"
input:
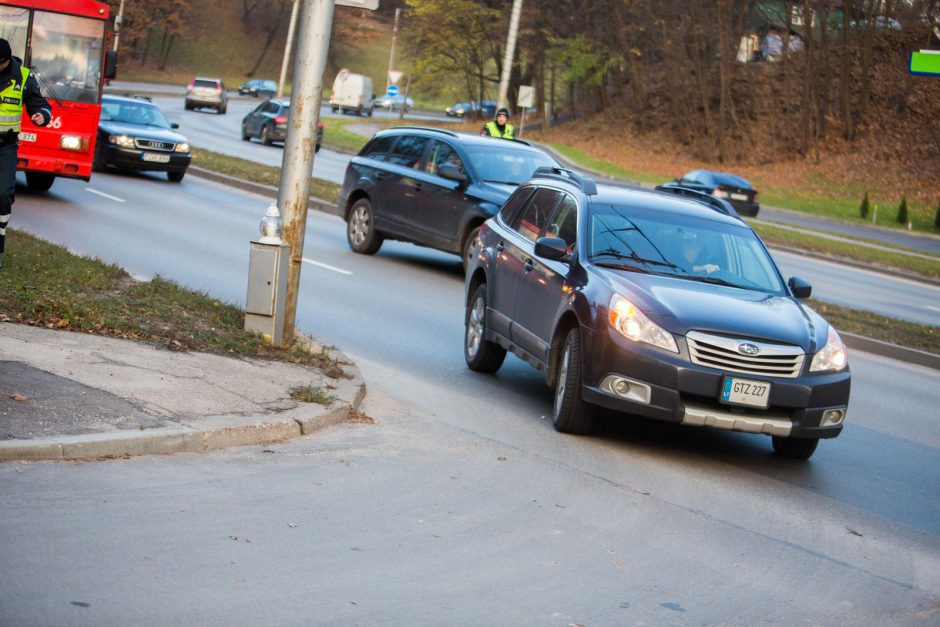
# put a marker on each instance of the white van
(352, 93)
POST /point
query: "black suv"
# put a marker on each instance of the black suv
(431, 187)
(653, 303)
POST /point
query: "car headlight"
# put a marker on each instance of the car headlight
(124, 141)
(71, 142)
(181, 147)
(634, 325)
(833, 356)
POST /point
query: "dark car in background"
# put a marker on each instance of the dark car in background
(653, 304)
(474, 108)
(430, 187)
(133, 134)
(731, 187)
(268, 122)
(206, 93)
(258, 88)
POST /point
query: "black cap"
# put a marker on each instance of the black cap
(503, 112)
(5, 51)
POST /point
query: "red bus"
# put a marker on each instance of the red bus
(64, 42)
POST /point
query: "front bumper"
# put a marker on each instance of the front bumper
(683, 392)
(133, 159)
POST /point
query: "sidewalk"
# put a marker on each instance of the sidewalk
(67, 395)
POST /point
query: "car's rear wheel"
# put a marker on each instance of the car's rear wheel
(360, 229)
(481, 354)
(245, 136)
(266, 136)
(222, 109)
(795, 448)
(467, 248)
(570, 413)
(176, 176)
(39, 181)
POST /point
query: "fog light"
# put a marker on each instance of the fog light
(621, 387)
(832, 417)
(626, 388)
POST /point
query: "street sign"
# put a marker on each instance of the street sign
(394, 76)
(392, 91)
(372, 5)
(526, 96)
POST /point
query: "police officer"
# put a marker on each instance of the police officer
(17, 88)
(500, 127)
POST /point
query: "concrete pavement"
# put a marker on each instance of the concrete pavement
(67, 395)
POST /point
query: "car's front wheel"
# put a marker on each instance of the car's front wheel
(570, 413)
(481, 354)
(176, 176)
(39, 181)
(795, 448)
(99, 163)
(360, 229)
(245, 136)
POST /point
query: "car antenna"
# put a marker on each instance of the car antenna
(44, 84)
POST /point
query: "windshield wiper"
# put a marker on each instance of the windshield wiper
(45, 85)
(616, 254)
(621, 266)
(711, 279)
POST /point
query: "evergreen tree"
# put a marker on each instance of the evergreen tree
(864, 207)
(902, 211)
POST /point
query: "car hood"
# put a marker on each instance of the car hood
(494, 192)
(138, 130)
(680, 306)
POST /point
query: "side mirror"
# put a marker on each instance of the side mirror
(553, 248)
(452, 172)
(174, 125)
(110, 64)
(799, 287)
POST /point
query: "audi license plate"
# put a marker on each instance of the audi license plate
(737, 391)
(738, 196)
(155, 158)
(27, 137)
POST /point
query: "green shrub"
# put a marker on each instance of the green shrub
(864, 208)
(902, 211)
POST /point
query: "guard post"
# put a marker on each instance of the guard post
(267, 280)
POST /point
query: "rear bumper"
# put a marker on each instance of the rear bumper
(61, 167)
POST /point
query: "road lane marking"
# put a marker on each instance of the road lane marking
(932, 307)
(108, 196)
(324, 266)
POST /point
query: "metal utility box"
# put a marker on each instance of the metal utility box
(267, 290)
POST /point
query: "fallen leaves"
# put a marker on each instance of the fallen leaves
(18, 397)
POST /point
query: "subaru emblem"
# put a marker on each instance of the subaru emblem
(746, 348)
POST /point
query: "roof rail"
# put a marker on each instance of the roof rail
(422, 128)
(718, 204)
(584, 183)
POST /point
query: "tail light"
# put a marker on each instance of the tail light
(192, 83)
(319, 124)
(756, 197)
(281, 119)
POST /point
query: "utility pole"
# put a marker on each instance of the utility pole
(315, 24)
(287, 47)
(503, 99)
(391, 54)
(118, 20)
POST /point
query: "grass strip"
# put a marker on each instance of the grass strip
(45, 285)
(918, 266)
(911, 334)
(603, 167)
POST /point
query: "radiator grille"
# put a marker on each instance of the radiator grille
(722, 353)
(153, 144)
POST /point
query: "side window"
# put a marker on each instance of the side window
(270, 107)
(377, 148)
(408, 151)
(514, 202)
(564, 223)
(439, 154)
(531, 220)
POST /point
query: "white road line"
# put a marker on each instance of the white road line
(932, 307)
(108, 196)
(324, 266)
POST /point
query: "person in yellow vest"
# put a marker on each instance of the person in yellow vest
(500, 127)
(18, 88)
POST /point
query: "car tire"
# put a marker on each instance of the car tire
(481, 354)
(175, 176)
(187, 106)
(98, 163)
(245, 136)
(570, 414)
(466, 250)
(222, 109)
(795, 448)
(266, 136)
(39, 181)
(360, 229)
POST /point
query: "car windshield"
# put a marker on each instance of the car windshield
(695, 249)
(133, 113)
(506, 164)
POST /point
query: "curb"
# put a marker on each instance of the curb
(893, 351)
(261, 189)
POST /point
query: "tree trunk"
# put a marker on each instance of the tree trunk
(846, 77)
(166, 52)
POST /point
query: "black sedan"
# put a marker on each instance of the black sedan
(258, 88)
(268, 122)
(652, 304)
(134, 135)
(731, 187)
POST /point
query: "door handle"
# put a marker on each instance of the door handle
(527, 266)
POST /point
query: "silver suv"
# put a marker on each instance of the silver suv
(206, 93)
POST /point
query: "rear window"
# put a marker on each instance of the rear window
(204, 83)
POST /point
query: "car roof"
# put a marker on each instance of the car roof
(207, 78)
(730, 179)
(465, 139)
(134, 99)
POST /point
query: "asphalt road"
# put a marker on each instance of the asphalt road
(460, 505)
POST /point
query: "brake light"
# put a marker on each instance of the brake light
(281, 119)
(192, 83)
(319, 124)
(756, 197)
